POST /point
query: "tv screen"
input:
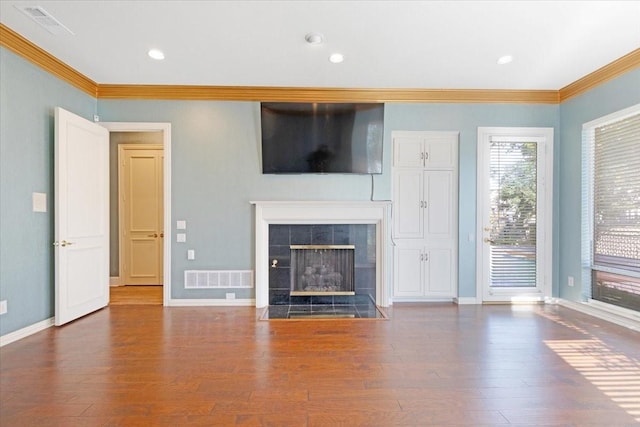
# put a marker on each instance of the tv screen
(321, 137)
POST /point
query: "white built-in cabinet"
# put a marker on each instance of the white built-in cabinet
(425, 215)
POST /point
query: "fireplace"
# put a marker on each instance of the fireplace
(322, 270)
(280, 224)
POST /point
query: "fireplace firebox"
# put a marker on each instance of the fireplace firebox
(322, 270)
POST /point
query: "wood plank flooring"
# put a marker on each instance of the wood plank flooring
(429, 365)
(135, 295)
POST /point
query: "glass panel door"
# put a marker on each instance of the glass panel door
(512, 219)
(514, 213)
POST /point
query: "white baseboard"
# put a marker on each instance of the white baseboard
(115, 281)
(465, 300)
(610, 314)
(25, 332)
(400, 300)
(211, 302)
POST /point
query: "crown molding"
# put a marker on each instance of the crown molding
(23, 47)
(295, 94)
(610, 71)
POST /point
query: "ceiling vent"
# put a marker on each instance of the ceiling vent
(45, 19)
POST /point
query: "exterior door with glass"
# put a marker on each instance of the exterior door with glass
(514, 214)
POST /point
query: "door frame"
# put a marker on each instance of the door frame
(165, 128)
(545, 229)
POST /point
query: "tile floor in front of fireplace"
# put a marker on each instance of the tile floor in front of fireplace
(356, 308)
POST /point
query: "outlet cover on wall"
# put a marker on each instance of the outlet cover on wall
(3, 306)
(231, 295)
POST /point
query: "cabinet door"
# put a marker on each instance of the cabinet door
(441, 150)
(408, 271)
(408, 151)
(438, 273)
(408, 211)
(439, 205)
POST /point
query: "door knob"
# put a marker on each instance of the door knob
(161, 234)
(154, 235)
(488, 240)
(63, 243)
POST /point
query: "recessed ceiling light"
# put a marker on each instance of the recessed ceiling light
(156, 54)
(336, 58)
(314, 38)
(505, 59)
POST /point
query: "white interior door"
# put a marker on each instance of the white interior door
(81, 217)
(514, 213)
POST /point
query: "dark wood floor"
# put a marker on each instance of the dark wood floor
(439, 365)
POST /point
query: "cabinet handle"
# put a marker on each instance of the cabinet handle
(426, 257)
(426, 156)
(424, 204)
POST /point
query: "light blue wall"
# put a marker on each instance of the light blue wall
(216, 171)
(608, 98)
(28, 96)
(466, 118)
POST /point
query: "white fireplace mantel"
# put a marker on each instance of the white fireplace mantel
(320, 212)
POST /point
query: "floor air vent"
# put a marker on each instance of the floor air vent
(218, 279)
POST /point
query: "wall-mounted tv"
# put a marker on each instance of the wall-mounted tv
(322, 137)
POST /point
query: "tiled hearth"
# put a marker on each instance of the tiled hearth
(328, 307)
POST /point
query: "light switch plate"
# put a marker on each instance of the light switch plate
(191, 254)
(181, 237)
(181, 225)
(39, 202)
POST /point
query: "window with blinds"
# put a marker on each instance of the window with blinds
(615, 210)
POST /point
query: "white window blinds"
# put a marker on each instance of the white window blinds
(616, 194)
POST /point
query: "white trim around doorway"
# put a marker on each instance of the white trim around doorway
(165, 128)
(544, 136)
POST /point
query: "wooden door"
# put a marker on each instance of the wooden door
(141, 207)
(81, 217)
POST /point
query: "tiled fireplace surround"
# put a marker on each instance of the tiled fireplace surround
(282, 223)
(281, 236)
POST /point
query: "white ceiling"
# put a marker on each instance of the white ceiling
(387, 44)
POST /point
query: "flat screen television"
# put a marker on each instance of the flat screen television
(322, 137)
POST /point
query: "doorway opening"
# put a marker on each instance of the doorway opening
(140, 236)
(515, 176)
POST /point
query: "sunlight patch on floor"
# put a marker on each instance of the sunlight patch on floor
(615, 374)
